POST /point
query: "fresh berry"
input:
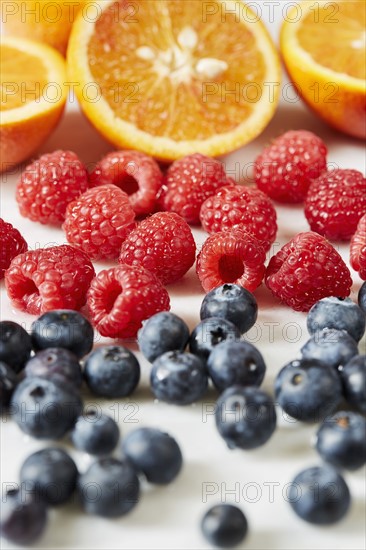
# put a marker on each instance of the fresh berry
(231, 257)
(23, 517)
(319, 495)
(308, 389)
(135, 173)
(224, 526)
(335, 202)
(63, 329)
(353, 376)
(189, 181)
(239, 207)
(245, 417)
(178, 378)
(8, 383)
(209, 333)
(112, 371)
(49, 278)
(231, 302)
(55, 363)
(331, 346)
(163, 244)
(95, 433)
(307, 269)
(337, 313)
(358, 248)
(48, 185)
(285, 169)
(98, 221)
(15, 345)
(51, 474)
(341, 440)
(154, 453)
(12, 244)
(109, 488)
(121, 298)
(361, 298)
(163, 332)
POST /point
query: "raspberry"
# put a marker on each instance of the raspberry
(49, 184)
(335, 202)
(358, 249)
(236, 206)
(12, 244)
(285, 169)
(307, 269)
(120, 298)
(49, 278)
(189, 182)
(163, 244)
(135, 173)
(231, 257)
(99, 221)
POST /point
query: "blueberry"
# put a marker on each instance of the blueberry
(235, 363)
(23, 517)
(8, 383)
(178, 378)
(44, 408)
(308, 389)
(63, 328)
(353, 376)
(51, 474)
(154, 453)
(341, 440)
(15, 345)
(224, 525)
(362, 297)
(56, 363)
(333, 347)
(163, 332)
(319, 495)
(231, 302)
(210, 332)
(112, 371)
(109, 488)
(337, 313)
(245, 417)
(94, 433)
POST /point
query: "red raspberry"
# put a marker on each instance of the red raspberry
(49, 278)
(120, 298)
(12, 244)
(49, 184)
(358, 249)
(231, 257)
(163, 244)
(135, 173)
(306, 270)
(285, 169)
(189, 182)
(335, 202)
(236, 206)
(99, 221)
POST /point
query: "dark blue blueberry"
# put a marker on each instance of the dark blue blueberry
(245, 417)
(95, 433)
(337, 313)
(15, 345)
(224, 525)
(235, 363)
(112, 371)
(341, 440)
(44, 408)
(353, 376)
(178, 378)
(51, 474)
(63, 328)
(319, 495)
(331, 346)
(210, 332)
(109, 488)
(231, 302)
(163, 332)
(362, 297)
(8, 383)
(23, 517)
(308, 389)
(154, 453)
(55, 363)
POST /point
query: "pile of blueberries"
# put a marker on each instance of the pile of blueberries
(41, 376)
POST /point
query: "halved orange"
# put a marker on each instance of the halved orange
(323, 47)
(173, 77)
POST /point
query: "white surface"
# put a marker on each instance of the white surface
(168, 518)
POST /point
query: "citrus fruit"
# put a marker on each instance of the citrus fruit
(323, 47)
(175, 77)
(33, 95)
